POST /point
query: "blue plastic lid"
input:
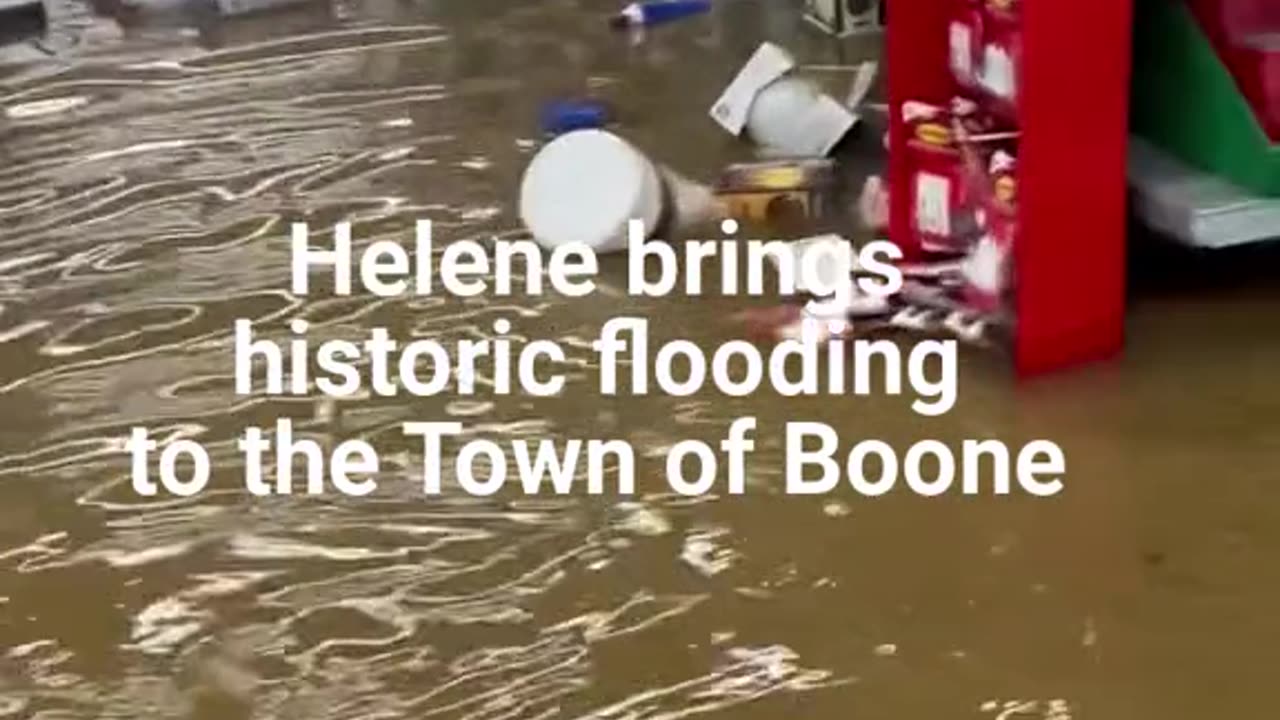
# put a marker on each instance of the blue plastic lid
(564, 116)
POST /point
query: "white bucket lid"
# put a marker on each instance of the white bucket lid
(585, 187)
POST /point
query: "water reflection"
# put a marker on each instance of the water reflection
(146, 188)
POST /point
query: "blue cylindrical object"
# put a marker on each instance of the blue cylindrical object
(654, 12)
(667, 10)
(564, 116)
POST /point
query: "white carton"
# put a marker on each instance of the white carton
(769, 63)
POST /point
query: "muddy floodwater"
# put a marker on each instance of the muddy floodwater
(148, 177)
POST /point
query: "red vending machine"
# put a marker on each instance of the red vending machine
(1008, 137)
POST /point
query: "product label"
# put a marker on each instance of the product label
(1006, 190)
(998, 72)
(934, 134)
(961, 51)
(779, 178)
(769, 63)
(984, 267)
(933, 195)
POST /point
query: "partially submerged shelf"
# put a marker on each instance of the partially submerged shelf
(1194, 207)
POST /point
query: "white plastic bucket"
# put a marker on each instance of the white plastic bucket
(794, 116)
(587, 185)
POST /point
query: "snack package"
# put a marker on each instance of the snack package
(988, 267)
(964, 36)
(938, 174)
(1002, 204)
(950, 176)
(873, 205)
(1001, 55)
(776, 190)
(972, 118)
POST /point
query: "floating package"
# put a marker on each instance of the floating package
(765, 191)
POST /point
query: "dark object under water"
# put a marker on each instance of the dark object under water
(21, 20)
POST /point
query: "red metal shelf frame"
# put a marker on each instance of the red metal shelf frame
(1073, 110)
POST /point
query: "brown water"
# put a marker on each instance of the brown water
(148, 208)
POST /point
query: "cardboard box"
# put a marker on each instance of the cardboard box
(766, 191)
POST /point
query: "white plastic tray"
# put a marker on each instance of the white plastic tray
(1195, 207)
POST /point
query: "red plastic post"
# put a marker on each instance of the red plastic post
(1073, 159)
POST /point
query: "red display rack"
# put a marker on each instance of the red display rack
(1069, 258)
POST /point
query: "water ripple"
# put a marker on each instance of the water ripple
(146, 191)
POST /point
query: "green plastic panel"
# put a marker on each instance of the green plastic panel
(1186, 101)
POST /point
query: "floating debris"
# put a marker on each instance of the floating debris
(836, 508)
(657, 12)
(778, 191)
(563, 116)
(785, 113)
(1090, 638)
(39, 108)
(701, 553)
(873, 205)
(643, 520)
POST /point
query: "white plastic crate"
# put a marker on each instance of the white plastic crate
(1194, 207)
(842, 18)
